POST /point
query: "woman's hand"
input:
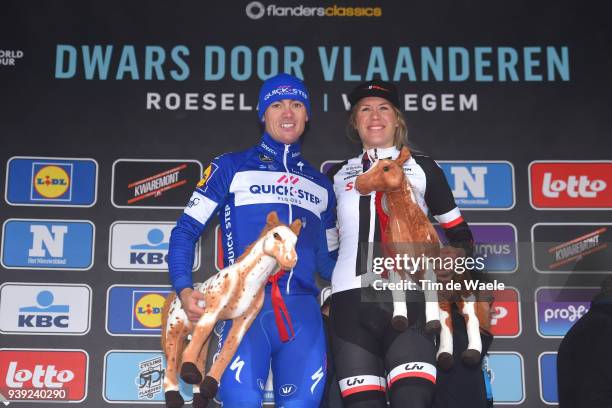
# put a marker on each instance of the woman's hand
(445, 275)
(189, 300)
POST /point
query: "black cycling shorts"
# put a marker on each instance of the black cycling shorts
(371, 356)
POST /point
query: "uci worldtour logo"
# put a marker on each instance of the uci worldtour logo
(9, 57)
(285, 189)
(256, 10)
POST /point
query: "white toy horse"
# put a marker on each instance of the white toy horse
(235, 293)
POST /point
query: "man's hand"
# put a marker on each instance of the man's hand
(445, 275)
(189, 300)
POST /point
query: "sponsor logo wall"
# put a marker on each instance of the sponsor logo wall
(104, 141)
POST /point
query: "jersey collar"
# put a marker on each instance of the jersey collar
(385, 153)
(277, 149)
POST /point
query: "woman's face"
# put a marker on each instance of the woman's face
(376, 122)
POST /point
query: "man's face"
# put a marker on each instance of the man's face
(285, 120)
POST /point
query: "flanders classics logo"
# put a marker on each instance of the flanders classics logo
(256, 10)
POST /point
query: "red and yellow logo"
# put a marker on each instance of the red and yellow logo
(51, 181)
(148, 310)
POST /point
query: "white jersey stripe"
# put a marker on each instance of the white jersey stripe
(448, 217)
(200, 208)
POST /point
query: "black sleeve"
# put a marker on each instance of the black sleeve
(439, 199)
(460, 236)
(334, 169)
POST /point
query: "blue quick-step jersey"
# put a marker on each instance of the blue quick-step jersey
(242, 188)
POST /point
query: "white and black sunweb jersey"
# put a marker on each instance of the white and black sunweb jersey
(358, 221)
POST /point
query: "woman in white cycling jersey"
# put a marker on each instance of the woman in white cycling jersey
(374, 361)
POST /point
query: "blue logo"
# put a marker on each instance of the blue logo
(558, 309)
(155, 238)
(137, 377)
(45, 313)
(135, 310)
(51, 181)
(481, 185)
(507, 379)
(47, 244)
(548, 378)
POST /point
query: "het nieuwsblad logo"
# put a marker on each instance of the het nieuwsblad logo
(256, 10)
(48, 244)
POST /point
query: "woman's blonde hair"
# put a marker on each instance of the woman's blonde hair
(400, 138)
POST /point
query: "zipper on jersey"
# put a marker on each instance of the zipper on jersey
(290, 209)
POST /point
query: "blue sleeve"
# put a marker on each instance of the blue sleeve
(182, 250)
(327, 248)
(209, 194)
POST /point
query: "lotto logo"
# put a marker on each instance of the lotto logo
(36, 374)
(570, 184)
(506, 319)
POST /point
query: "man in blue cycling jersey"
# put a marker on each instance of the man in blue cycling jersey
(242, 188)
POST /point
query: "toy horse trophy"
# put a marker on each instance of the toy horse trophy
(406, 230)
(235, 293)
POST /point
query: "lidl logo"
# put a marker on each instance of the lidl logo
(507, 377)
(135, 310)
(486, 185)
(47, 244)
(148, 310)
(45, 308)
(137, 377)
(557, 308)
(51, 181)
(547, 364)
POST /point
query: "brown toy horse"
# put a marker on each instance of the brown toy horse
(235, 293)
(409, 232)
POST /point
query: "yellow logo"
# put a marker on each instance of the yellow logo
(148, 310)
(205, 176)
(51, 181)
